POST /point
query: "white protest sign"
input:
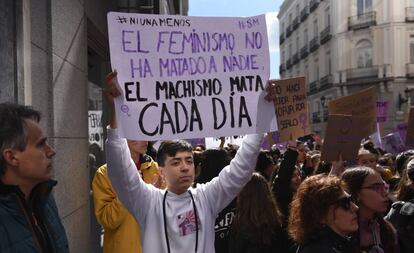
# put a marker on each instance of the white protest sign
(190, 77)
(95, 128)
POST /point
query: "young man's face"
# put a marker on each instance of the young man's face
(179, 171)
(34, 163)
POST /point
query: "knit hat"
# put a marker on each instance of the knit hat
(410, 169)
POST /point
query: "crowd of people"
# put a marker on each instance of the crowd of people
(227, 199)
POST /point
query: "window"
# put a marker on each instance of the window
(305, 37)
(412, 49)
(364, 6)
(364, 54)
(315, 28)
(297, 45)
(283, 57)
(327, 17)
(290, 50)
(412, 52)
(297, 10)
(328, 63)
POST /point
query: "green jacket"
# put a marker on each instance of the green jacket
(17, 234)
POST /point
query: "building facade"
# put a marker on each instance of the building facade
(342, 47)
(55, 56)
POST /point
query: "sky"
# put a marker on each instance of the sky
(245, 8)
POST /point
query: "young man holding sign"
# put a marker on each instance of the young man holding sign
(184, 217)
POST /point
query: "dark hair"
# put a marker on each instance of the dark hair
(257, 216)
(404, 190)
(354, 178)
(264, 160)
(13, 128)
(170, 148)
(310, 206)
(402, 159)
(212, 162)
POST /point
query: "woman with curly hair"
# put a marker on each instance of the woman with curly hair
(257, 223)
(370, 192)
(322, 216)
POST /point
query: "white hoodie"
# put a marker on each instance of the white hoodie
(145, 202)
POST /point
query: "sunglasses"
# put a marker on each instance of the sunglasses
(378, 187)
(345, 202)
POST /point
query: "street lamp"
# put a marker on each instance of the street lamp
(401, 99)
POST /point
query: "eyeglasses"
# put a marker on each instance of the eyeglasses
(378, 187)
(345, 202)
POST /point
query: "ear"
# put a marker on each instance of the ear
(9, 155)
(162, 171)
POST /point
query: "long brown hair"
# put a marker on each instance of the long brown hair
(355, 178)
(310, 206)
(257, 216)
(404, 191)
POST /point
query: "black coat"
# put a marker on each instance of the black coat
(329, 242)
(17, 234)
(401, 216)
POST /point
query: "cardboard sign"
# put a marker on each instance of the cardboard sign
(190, 77)
(382, 111)
(409, 139)
(291, 108)
(342, 139)
(363, 104)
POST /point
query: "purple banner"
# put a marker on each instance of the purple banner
(382, 111)
(393, 143)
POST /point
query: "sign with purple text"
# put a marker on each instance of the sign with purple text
(382, 111)
(190, 77)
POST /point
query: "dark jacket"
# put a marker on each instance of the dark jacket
(240, 243)
(21, 222)
(401, 216)
(329, 242)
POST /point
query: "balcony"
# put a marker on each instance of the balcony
(326, 35)
(314, 44)
(282, 68)
(304, 52)
(313, 87)
(296, 23)
(316, 117)
(296, 58)
(289, 64)
(367, 72)
(313, 5)
(362, 21)
(304, 13)
(288, 31)
(326, 82)
(410, 70)
(409, 14)
(281, 38)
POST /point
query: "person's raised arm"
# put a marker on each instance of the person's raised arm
(133, 192)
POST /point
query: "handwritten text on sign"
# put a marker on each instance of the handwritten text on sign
(186, 77)
(291, 108)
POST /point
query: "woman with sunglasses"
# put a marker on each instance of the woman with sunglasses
(375, 234)
(322, 216)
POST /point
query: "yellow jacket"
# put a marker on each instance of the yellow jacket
(121, 231)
